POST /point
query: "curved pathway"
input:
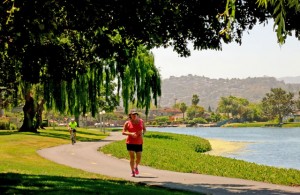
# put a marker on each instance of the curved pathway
(84, 155)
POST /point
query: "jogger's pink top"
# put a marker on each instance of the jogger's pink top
(135, 128)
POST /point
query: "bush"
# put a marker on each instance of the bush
(203, 146)
(13, 126)
(162, 119)
(4, 124)
(154, 123)
(45, 123)
(200, 120)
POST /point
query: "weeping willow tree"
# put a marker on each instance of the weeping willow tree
(74, 64)
(74, 48)
(140, 83)
(142, 79)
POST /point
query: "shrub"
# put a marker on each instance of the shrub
(203, 146)
(154, 123)
(13, 126)
(200, 120)
(4, 124)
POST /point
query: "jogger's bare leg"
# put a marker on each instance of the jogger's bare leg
(131, 155)
(138, 159)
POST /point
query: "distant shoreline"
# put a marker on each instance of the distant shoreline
(222, 147)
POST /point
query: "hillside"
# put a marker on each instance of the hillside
(290, 79)
(181, 89)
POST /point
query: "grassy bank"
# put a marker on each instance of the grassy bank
(23, 171)
(178, 153)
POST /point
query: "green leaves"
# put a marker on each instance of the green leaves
(11, 11)
(235, 106)
(227, 17)
(278, 103)
(141, 81)
(280, 9)
(59, 41)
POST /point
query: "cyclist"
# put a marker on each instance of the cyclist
(71, 127)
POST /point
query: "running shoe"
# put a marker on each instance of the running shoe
(133, 174)
(136, 171)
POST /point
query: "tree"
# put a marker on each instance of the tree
(255, 112)
(278, 103)
(232, 16)
(195, 112)
(182, 108)
(234, 106)
(5, 99)
(209, 109)
(93, 90)
(88, 58)
(195, 100)
(284, 14)
(61, 41)
(225, 106)
(215, 117)
(177, 105)
(298, 101)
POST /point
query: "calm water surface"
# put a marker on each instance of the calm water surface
(279, 147)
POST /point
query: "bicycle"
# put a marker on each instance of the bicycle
(73, 138)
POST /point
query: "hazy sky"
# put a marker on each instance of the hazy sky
(259, 55)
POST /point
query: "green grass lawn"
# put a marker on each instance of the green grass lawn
(23, 171)
(181, 153)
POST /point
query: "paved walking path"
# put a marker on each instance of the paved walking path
(84, 155)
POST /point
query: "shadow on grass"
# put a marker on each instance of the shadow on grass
(81, 136)
(13, 183)
(7, 132)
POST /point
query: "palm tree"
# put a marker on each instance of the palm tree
(182, 108)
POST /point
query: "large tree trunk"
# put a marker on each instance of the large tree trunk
(280, 119)
(1, 112)
(39, 115)
(29, 110)
(77, 120)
